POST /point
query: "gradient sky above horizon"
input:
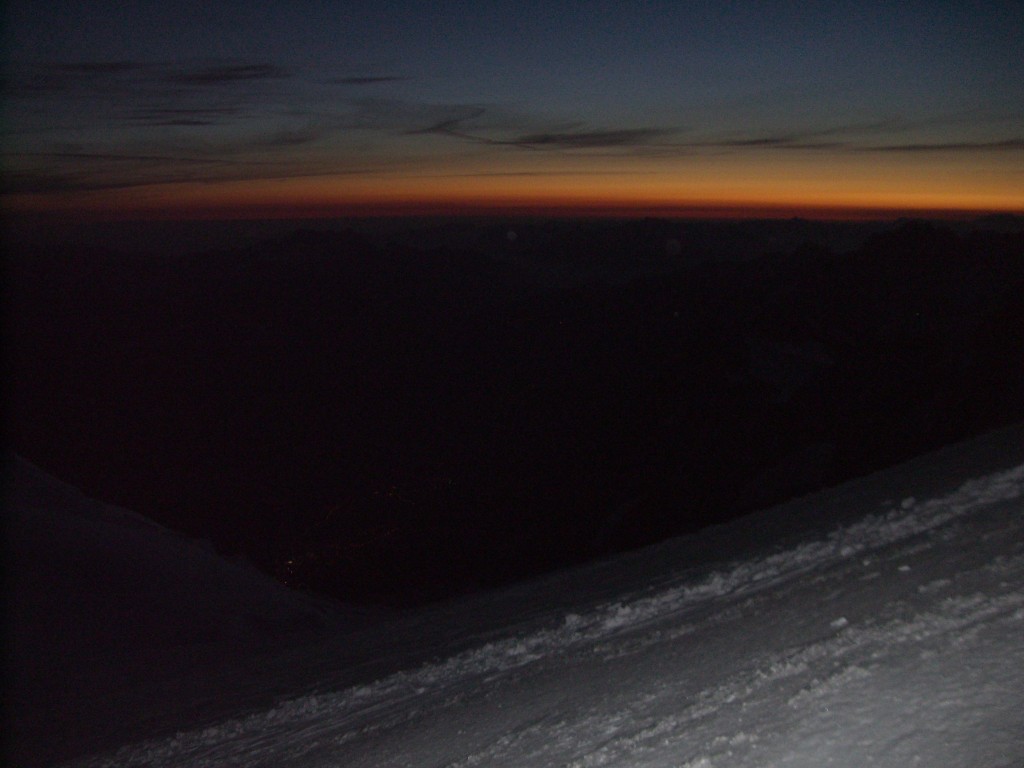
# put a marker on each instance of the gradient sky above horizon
(240, 109)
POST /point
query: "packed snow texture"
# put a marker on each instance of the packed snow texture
(879, 623)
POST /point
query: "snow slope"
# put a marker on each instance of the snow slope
(879, 623)
(113, 619)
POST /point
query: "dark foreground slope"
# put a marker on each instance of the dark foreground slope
(400, 419)
(110, 619)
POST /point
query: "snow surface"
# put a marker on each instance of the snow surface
(112, 618)
(879, 623)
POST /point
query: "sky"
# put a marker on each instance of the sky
(182, 110)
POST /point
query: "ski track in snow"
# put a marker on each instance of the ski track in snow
(514, 701)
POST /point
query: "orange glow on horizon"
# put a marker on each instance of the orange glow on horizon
(746, 191)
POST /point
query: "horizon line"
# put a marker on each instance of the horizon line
(413, 209)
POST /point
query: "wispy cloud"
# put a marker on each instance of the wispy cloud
(124, 78)
(367, 80)
(858, 138)
(770, 142)
(120, 157)
(82, 125)
(71, 171)
(231, 107)
(1004, 145)
(483, 125)
(454, 124)
(185, 116)
(227, 74)
(554, 173)
(622, 137)
(291, 137)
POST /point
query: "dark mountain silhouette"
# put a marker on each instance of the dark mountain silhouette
(398, 415)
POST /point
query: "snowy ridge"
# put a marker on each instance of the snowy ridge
(113, 621)
(84, 568)
(615, 710)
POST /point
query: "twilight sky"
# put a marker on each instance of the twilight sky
(229, 108)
